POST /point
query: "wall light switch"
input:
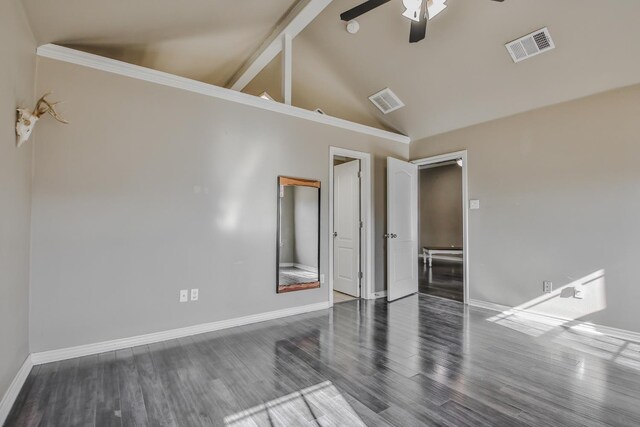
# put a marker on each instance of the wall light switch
(547, 287)
(194, 295)
(184, 295)
(322, 278)
(578, 293)
(474, 204)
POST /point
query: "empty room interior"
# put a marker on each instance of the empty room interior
(319, 213)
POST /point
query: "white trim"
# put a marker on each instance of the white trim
(366, 207)
(487, 305)
(465, 207)
(118, 344)
(12, 392)
(297, 20)
(565, 321)
(89, 60)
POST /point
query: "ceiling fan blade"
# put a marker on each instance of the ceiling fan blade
(419, 29)
(361, 9)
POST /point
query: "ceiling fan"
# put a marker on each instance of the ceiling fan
(416, 10)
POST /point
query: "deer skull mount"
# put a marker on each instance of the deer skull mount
(27, 119)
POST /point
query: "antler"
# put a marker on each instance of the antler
(43, 106)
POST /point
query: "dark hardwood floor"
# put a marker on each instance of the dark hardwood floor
(417, 361)
(445, 279)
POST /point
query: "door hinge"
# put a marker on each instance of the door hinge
(360, 275)
(361, 224)
(359, 174)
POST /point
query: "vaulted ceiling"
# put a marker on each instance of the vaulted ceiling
(458, 76)
(206, 40)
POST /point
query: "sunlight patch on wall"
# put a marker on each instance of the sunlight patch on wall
(549, 311)
(231, 203)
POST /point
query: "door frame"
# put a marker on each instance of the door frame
(465, 206)
(367, 288)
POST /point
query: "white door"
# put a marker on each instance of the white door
(346, 228)
(402, 229)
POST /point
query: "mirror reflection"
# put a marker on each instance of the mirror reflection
(298, 234)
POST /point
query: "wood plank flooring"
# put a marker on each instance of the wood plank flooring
(418, 361)
(339, 297)
(445, 279)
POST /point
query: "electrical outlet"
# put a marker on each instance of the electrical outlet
(194, 295)
(184, 295)
(547, 287)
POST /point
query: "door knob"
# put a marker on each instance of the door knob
(390, 236)
(335, 234)
(393, 235)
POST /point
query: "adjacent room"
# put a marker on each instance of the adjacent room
(441, 260)
(319, 212)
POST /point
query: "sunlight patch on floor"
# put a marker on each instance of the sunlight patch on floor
(319, 405)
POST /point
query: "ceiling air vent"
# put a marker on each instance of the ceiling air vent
(386, 101)
(530, 45)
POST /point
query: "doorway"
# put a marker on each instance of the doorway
(442, 221)
(350, 215)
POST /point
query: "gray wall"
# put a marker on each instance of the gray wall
(441, 206)
(17, 68)
(287, 250)
(306, 226)
(560, 195)
(118, 228)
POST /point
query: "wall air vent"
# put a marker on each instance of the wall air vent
(530, 45)
(386, 101)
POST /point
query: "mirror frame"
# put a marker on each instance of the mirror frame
(288, 181)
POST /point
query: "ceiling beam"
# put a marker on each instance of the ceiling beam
(297, 20)
(287, 61)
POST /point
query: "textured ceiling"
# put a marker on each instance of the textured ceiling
(458, 76)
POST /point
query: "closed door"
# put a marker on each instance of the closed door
(402, 229)
(346, 226)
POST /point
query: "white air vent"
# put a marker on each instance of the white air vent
(386, 101)
(530, 45)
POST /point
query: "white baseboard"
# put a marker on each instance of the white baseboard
(488, 305)
(14, 389)
(563, 321)
(118, 344)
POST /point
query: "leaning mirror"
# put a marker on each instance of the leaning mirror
(298, 246)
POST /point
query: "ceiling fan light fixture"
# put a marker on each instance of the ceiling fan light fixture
(412, 9)
(435, 7)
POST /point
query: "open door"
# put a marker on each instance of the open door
(402, 229)
(346, 225)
